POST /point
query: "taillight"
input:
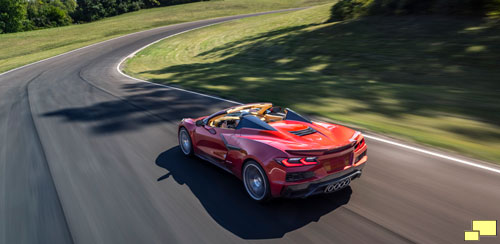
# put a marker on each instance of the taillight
(309, 161)
(291, 162)
(295, 162)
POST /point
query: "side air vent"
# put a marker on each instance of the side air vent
(303, 132)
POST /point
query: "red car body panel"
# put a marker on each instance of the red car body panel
(338, 150)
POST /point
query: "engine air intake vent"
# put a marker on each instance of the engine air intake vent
(303, 132)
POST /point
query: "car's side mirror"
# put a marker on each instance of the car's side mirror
(199, 122)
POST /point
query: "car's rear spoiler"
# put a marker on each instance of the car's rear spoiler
(320, 151)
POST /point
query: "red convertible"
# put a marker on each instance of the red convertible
(275, 151)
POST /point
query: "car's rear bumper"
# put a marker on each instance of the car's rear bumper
(317, 187)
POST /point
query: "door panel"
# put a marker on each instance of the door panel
(209, 142)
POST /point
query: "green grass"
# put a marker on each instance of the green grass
(434, 80)
(18, 49)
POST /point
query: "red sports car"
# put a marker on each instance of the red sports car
(275, 151)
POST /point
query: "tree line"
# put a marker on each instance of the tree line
(349, 9)
(23, 15)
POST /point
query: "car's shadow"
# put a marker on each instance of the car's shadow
(225, 199)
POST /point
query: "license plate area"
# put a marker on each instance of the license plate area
(336, 164)
(333, 187)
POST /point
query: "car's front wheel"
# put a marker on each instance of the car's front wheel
(185, 142)
(255, 181)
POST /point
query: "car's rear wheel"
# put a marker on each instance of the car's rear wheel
(255, 181)
(185, 142)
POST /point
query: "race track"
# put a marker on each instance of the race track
(88, 155)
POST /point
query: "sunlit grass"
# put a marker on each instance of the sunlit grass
(430, 79)
(18, 49)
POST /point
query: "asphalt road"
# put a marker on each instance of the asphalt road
(90, 156)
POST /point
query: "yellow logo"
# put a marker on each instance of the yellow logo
(347, 161)
(481, 228)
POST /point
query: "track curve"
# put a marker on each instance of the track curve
(88, 155)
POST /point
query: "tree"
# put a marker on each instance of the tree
(49, 13)
(90, 10)
(12, 15)
(18, 15)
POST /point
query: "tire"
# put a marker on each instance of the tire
(185, 142)
(256, 182)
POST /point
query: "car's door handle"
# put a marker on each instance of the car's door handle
(210, 129)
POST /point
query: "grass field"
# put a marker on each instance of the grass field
(434, 80)
(18, 49)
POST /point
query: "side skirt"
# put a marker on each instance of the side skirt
(213, 161)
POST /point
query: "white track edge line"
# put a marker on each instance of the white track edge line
(439, 155)
(162, 85)
(457, 160)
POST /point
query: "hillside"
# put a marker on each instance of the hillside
(17, 49)
(431, 79)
